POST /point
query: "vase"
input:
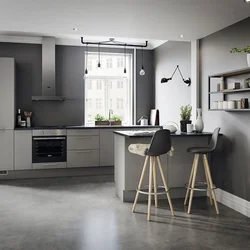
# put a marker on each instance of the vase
(199, 124)
(184, 125)
(248, 60)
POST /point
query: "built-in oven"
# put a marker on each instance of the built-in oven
(49, 148)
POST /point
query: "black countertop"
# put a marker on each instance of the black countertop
(87, 127)
(137, 134)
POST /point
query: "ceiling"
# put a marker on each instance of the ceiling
(138, 19)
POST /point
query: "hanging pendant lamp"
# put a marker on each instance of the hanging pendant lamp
(99, 61)
(125, 70)
(142, 71)
(86, 60)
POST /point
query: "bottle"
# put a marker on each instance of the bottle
(199, 125)
(19, 117)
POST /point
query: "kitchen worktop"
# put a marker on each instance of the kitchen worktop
(87, 127)
(145, 133)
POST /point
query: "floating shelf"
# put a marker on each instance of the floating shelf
(230, 91)
(232, 73)
(231, 110)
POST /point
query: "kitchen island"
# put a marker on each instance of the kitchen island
(177, 168)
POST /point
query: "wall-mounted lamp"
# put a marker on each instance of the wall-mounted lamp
(187, 81)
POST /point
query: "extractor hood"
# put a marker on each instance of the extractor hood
(48, 71)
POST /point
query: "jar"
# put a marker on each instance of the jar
(220, 104)
(23, 124)
(231, 104)
(238, 104)
(215, 105)
(225, 104)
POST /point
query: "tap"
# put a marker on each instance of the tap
(110, 113)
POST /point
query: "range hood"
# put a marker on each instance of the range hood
(48, 71)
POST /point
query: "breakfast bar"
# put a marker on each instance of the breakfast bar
(177, 167)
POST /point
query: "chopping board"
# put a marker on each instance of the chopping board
(154, 117)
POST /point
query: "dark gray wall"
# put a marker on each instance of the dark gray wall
(232, 173)
(69, 82)
(169, 97)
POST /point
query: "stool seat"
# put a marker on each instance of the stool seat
(199, 150)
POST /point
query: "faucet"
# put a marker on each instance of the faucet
(110, 113)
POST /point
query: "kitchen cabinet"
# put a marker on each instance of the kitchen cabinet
(23, 150)
(83, 148)
(6, 149)
(7, 93)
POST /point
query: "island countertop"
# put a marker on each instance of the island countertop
(145, 133)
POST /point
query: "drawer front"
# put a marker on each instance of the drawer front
(82, 142)
(83, 158)
(82, 132)
(49, 165)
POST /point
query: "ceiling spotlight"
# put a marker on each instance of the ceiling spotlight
(75, 29)
(181, 36)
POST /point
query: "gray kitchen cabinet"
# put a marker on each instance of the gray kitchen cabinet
(6, 149)
(7, 93)
(23, 150)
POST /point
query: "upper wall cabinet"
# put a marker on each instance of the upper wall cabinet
(7, 93)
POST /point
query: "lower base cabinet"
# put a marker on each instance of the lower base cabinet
(6, 150)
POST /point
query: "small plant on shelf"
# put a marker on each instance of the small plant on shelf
(245, 50)
(185, 117)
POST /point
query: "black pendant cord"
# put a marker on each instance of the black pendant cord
(112, 42)
(142, 58)
(86, 61)
(125, 69)
(99, 61)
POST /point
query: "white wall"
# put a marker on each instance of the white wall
(169, 97)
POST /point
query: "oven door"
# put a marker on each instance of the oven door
(49, 149)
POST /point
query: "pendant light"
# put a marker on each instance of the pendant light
(125, 70)
(99, 61)
(86, 60)
(142, 71)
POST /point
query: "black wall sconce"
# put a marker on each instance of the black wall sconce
(187, 81)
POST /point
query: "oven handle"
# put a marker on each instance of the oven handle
(48, 138)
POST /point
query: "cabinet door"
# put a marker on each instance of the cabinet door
(23, 150)
(6, 149)
(7, 93)
(106, 147)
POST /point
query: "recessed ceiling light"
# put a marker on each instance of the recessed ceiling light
(247, 1)
(181, 36)
(75, 29)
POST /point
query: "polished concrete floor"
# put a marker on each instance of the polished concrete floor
(60, 214)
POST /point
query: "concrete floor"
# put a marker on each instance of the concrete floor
(69, 214)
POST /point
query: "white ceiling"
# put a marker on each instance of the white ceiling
(139, 19)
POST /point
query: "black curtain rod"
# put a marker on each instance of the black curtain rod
(114, 43)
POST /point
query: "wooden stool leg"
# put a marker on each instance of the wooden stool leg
(155, 182)
(150, 186)
(208, 183)
(140, 182)
(165, 185)
(211, 183)
(190, 180)
(193, 183)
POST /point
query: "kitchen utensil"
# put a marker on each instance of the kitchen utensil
(171, 127)
(143, 121)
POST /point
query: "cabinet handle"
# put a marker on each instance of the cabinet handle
(83, 152)
(49, 165)
(82, 138)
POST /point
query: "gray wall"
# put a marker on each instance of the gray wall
(69, 82)
(169, 97)
(232, 173)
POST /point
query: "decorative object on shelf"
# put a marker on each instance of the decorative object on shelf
(215, 105)
(233, 85)
(142, 71)
(220, 104)
(225, 105)
(231, 104)
(171, 126)
(28, 115)
(185, 117)
(199, 124)
(244, 103)
(190, 128)
(246, 83)
(222, 84)
(239, 104)
(244, 50)
(218, 87)
(187, 81)
(112, 42)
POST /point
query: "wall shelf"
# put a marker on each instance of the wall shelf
(231, 110)
(230, 91)
(232, 73)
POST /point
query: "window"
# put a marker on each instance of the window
(109, 63)
(119, 84)
(111, 88)
(89, 66)
(98, 103)
(89, 84)
(120, 62)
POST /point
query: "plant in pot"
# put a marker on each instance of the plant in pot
(185, 117)
(101, 120)
(116, 120)
(245, 51)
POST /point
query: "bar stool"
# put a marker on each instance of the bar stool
(203, 151)
(160, 145)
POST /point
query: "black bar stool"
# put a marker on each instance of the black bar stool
(160, 145)
(203, 151)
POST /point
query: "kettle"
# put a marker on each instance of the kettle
(143, 121)
(171, 127)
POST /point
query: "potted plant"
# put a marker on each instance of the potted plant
(101, 120)
(245, 51)
(116, 120)
(185, 117)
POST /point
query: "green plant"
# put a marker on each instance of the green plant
(99, 118)
(186, 112)
(116, 118)
(237, 50)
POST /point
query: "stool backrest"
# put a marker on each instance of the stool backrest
(214, 139)
(160, 143)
